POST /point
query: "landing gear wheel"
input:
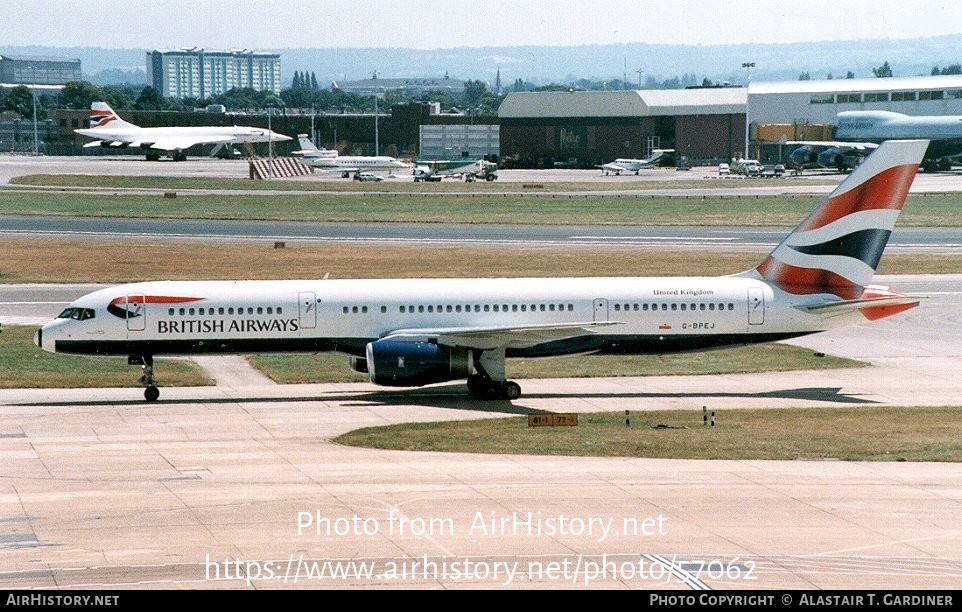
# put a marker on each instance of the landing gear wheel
(482, 388)
(510, 390)
(477, 384)
(146, 362)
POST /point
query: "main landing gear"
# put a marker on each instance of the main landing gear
(485, 388)
(146, 362)
(489, 382)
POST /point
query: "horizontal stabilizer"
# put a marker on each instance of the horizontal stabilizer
(872, 307)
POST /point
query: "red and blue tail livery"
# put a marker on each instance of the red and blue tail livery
(101, 116)
(413, 332)
(838, 247)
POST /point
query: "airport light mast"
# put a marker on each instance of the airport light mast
(748, 79)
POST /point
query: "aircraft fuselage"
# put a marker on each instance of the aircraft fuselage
(642, 315)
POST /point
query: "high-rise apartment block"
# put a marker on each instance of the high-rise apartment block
(201, 73)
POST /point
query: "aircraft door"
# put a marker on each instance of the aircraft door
(601, 309)
(136, 311)
(307, 310)
(756, 306)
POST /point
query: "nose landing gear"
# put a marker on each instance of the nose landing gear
(146, 362)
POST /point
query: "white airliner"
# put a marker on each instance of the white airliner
(415, 332)
(857, 133)
(329, 159)
(635, 165)
(112, 131)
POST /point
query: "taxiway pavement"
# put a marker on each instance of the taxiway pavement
(241, 485)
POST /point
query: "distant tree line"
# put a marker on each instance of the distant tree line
(304, 93)
(885, 71)
(950, 69)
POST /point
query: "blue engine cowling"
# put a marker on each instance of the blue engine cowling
(413, 364)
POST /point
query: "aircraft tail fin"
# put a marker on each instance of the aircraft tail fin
(838, 247)
(101, 115)
(309, 149)
(305, 142)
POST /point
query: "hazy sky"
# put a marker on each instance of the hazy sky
(435, 24)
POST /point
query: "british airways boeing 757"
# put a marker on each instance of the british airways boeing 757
(414, 332)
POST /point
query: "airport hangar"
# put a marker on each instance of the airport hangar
(705, 124)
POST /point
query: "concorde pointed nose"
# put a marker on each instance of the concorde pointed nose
(279, 137)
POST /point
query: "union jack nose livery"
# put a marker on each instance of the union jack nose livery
(838, 247)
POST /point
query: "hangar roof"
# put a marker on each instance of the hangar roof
(850, 85)
(638, 103)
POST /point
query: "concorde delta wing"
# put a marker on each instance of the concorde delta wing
(176, 144)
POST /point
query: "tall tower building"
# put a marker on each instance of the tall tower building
(200, 73)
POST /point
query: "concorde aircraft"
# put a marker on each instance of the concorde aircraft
(414, 332)
(110, 131)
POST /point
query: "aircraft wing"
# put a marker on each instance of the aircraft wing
(613, 168)
(112, 143)
(498, 336)
(175, 144)
(831, 144)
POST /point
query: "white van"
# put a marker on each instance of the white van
(751, 167)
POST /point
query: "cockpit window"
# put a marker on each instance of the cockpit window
(77, 314)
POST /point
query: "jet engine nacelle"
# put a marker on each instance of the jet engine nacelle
(803, 157)
(413, 364)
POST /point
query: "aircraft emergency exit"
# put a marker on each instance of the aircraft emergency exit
(413, 332)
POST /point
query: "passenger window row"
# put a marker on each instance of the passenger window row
(486, 308)
(432, 308)
(675, 306)
(221, 310)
